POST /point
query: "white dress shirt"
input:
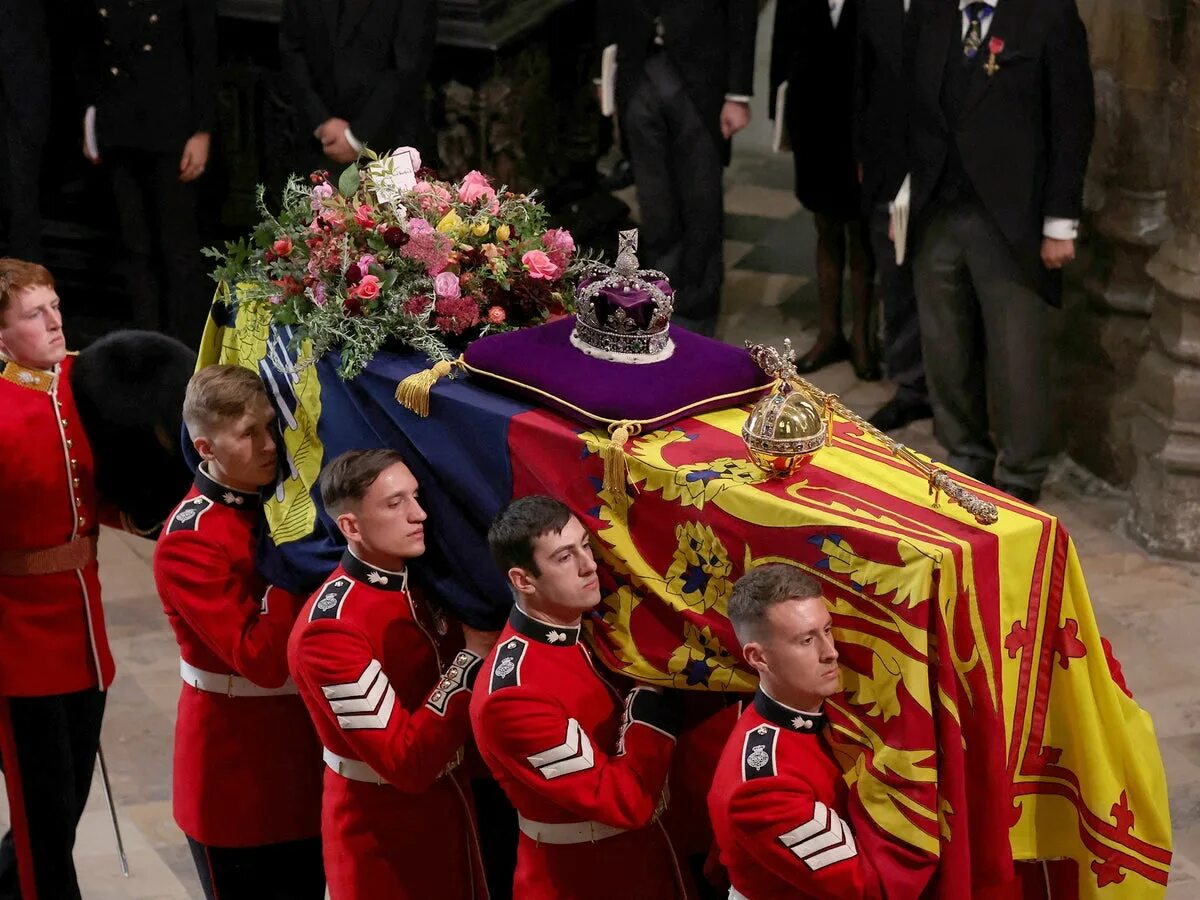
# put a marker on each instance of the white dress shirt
(835, 11)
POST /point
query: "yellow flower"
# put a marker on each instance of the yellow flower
(503, 233)
(452, 225)
(479, 229)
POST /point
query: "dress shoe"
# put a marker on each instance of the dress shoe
(899, 411)
(819, 357)
(866, 367)
(1024, 494)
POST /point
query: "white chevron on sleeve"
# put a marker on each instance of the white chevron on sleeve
(823, 840)
(364, 703)
(368, 703)
(573, 755)
(353, 688)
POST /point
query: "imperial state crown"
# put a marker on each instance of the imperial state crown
(623, 313)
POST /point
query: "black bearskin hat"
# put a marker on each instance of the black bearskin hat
(129, 388)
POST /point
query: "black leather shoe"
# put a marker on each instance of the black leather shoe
(1024, 494)
(899, 411)
(835, 351)
(866, 369)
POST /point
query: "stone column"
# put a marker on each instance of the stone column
(1165, 515)
(1105, 335)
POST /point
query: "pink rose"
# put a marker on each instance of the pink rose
(363, 216)
(539, 265)
(446, 286)
(413, 152)
(475, 188)
(560, 246)
(366, 261)
(367, 289)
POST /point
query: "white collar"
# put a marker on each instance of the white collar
(963, 4)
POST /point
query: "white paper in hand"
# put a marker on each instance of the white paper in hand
(781, 141)
(899, 218)
(393, 175)
(608, 80)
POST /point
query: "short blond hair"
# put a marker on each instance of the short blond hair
(217, 394)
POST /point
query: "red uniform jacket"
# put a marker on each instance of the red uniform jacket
(779, 810)
(387, 686)
(52, 638)
(247, 769)
(553, 734)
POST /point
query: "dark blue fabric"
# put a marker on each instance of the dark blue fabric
(459, 455)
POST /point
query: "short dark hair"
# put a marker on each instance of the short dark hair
(519, 524)
(760, 589)
(348, 478)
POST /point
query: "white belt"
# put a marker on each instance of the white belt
(567, 832)
(357, 770)
(735, 894)
(229, 685)
(354, 769)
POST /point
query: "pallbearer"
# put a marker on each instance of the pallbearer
(585, 767)
(387, 680)
(247, 780)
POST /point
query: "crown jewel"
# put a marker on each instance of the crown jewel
(623, 313)
(785, 427)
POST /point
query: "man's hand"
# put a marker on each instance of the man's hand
(480, 642)
(734, 117)
(195, 157)
(1056, 254)
(331, 129)
(340, 151)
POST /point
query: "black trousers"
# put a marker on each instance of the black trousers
(55, 740)
(292, 870)
(677, 172)
(20, 167)
(162, 269)
(988, 350)
(901, 324)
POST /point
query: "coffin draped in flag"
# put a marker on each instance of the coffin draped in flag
(984, 720)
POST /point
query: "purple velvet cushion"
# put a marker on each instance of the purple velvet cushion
(700, 376)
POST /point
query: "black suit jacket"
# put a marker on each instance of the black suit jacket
(710, 43)
(1024, 133)
(885, 41)
(367, 66)
(149, 67)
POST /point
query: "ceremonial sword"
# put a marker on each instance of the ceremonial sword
(112, 810)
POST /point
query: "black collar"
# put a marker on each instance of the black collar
(554, 635)
(383, 579)
(786, 717)
(226, 496)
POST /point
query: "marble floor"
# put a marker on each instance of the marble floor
(1149, 607)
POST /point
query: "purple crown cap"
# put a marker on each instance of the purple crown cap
(623, 313)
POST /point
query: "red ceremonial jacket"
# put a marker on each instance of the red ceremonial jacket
(386, 685)
(52, 638)
(247, 769)
(565, 749)
(779, 810)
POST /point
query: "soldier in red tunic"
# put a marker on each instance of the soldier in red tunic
(585, 768)
(247, 774)
(387, 682)
(778, 802)
(55, 663)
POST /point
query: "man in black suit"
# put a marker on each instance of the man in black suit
(685, 71)
(1001, 130)
(147, 74)
(357, 71)
(24, 124)
(886, 33)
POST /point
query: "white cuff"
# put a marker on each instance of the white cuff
(355, 143)
(1060, 229)
(738, 98)
(89, 133)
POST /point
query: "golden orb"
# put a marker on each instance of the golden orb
(783, 430)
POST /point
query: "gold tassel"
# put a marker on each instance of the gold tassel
(413, 392)
(616, 471)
